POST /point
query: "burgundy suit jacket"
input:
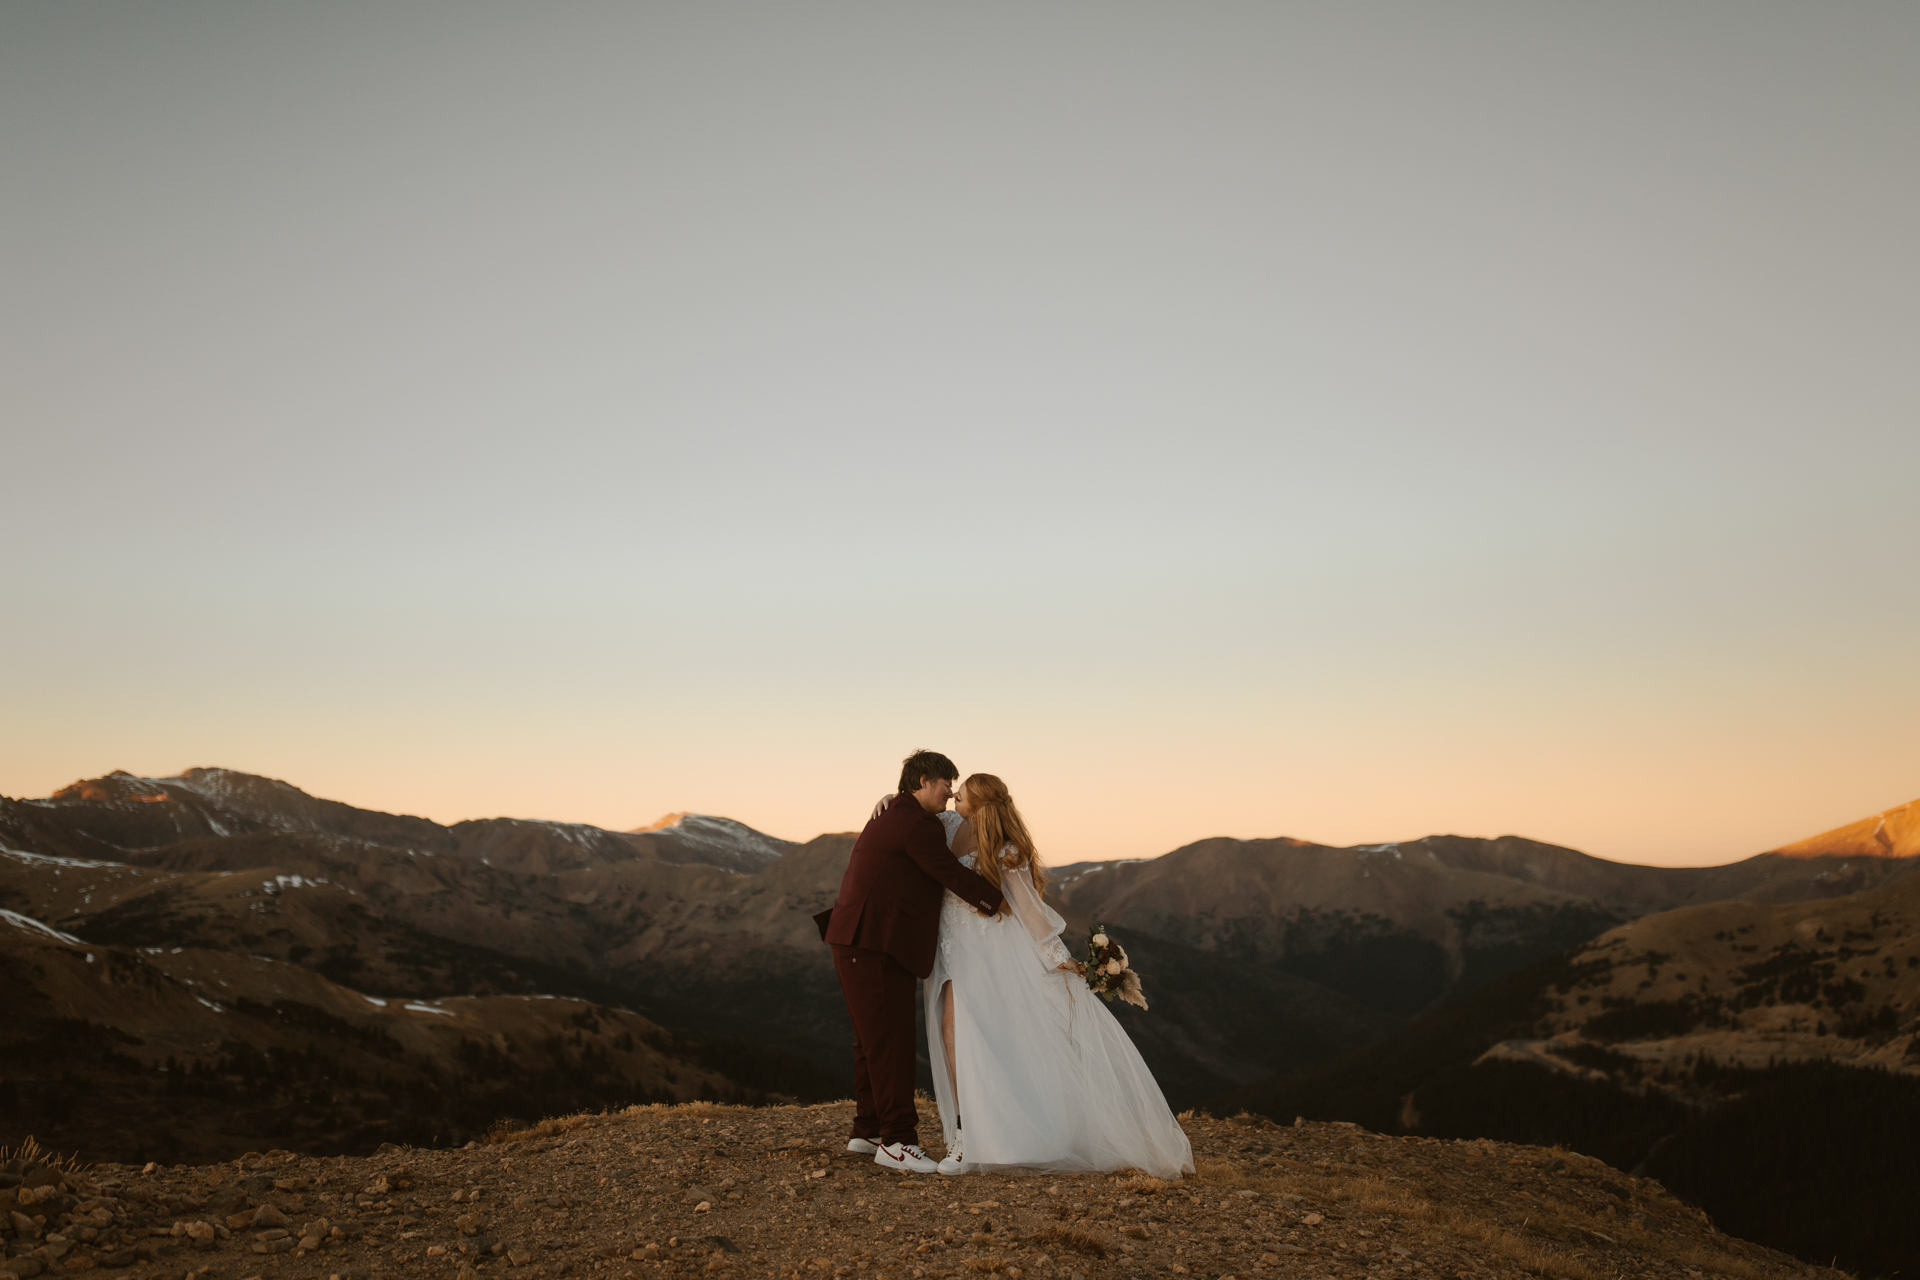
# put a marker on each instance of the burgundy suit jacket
(890, 895)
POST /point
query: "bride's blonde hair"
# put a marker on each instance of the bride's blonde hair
(996, 826)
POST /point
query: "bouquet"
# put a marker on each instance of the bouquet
(1107, 972)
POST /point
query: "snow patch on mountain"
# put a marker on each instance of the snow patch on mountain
(49, 860)
(31, 925)
(721, 842)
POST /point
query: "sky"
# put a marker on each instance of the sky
(1342, 421)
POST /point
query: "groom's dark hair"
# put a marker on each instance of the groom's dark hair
(920, 766)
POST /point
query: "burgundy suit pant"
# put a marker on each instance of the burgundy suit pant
(880, 992)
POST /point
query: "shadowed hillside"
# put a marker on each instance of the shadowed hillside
(1261, 957)
(1764, 1061)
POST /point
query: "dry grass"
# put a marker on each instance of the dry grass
(1215, 1172)
(509, 1131)
(31, 1150)
(1135, 1183)
(1724, 1262)
(1377, 1195)
(1072, 1241)
(1530, 1257)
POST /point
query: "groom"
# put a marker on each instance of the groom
(883, 929)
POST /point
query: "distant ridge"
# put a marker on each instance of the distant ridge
(718, 841)
(1893, 833)
(1266, 956)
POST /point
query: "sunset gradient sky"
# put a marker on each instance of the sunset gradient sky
(1342, 421)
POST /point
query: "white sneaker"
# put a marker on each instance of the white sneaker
(956, 1162)
(861, 1147)
(903, 1157)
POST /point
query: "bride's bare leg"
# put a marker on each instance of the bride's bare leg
(946, 1036)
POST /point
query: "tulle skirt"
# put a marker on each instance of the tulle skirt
(1048, 1080)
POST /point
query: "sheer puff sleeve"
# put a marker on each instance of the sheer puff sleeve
(1042, 923)
(951, 821)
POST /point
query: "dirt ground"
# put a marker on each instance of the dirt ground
(772, 1192)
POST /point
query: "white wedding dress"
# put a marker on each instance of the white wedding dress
(1047, 1077)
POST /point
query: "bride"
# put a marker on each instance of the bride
(1036, 1066)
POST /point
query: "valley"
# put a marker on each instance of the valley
(216, 962)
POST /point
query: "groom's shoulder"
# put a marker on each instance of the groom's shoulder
(899, 818)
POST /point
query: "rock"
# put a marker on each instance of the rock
(697, 1192)
(23, 1226)
(240, 1221)
(345, 1273)
(55, 1248)
(468, 1224)
(310, 1243)
(433, 1250)
(519, 1257)
(318, 1227)
(118, 1258)
(276, 1233)
(1313, 1219)
(26, 1268)
(289, 1184)
(703, 1207)
(268, 1216)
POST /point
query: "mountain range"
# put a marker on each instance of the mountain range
(236, 923)
(1759, 1055)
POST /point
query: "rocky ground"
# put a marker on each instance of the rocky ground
(771, 1192)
